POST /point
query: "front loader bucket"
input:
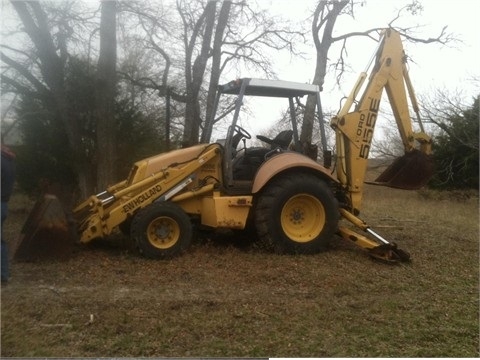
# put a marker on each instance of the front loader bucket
(46, 234)
(411, 171)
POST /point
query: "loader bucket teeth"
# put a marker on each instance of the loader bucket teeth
(410, 172)
(389, 253)
(46, 234)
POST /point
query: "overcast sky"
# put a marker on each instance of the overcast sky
(432, 66)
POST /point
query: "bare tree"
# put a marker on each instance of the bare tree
(443, 108)
(49, 84)
(41, 72)
(232, 35)
(215, 73)
(456, 142)
(201, 29)
(105, 97)
(324, 19)
(153, 64)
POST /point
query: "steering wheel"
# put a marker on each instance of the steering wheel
(244, 133)
(240, 133)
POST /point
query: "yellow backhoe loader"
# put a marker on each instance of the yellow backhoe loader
(293, 202)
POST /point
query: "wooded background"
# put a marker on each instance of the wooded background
(86, 84)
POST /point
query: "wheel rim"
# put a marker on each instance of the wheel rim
(303, 218)
(163, 232)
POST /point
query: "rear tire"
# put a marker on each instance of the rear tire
(161, 230)
(297, 214)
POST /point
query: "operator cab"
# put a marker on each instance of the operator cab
(241, 162)
(247, 161)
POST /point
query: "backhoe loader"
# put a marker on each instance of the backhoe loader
(292, 201)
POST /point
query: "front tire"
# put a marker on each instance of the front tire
(162, 230)
(297, 214)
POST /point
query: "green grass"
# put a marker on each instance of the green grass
(222, 300)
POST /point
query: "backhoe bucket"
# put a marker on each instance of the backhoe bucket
(389, 253)
(410, 172)
(46, 234)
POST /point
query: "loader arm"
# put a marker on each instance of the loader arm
(158, 178)
(354, 129)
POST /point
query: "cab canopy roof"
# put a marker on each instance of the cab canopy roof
(271, 88)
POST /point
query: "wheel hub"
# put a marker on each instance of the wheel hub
(297, 215)
(303, 218)
(163, 232)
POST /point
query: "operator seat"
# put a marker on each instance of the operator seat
(246, 165)
(282, 140)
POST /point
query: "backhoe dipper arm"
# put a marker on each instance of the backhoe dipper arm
(354, 134)
(354, 130)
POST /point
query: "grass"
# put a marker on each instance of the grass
(224, 300)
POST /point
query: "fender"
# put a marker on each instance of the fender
(287, 161)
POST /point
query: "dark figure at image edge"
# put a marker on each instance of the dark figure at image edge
(8, 179)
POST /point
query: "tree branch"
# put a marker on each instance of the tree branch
(443, 38)
(24, 90)
(149, 83)
(162, 52)
(29, 56)
(366, 33)
(24, 72)
(52, 68)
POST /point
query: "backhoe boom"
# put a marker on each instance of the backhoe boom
(354, 130)
(354, 134)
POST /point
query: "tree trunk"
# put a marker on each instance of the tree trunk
(192, 112)
(324, 17)
(215, 72)
(309, 115)
(105, 98)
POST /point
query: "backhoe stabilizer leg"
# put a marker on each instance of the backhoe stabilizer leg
(379, 248)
